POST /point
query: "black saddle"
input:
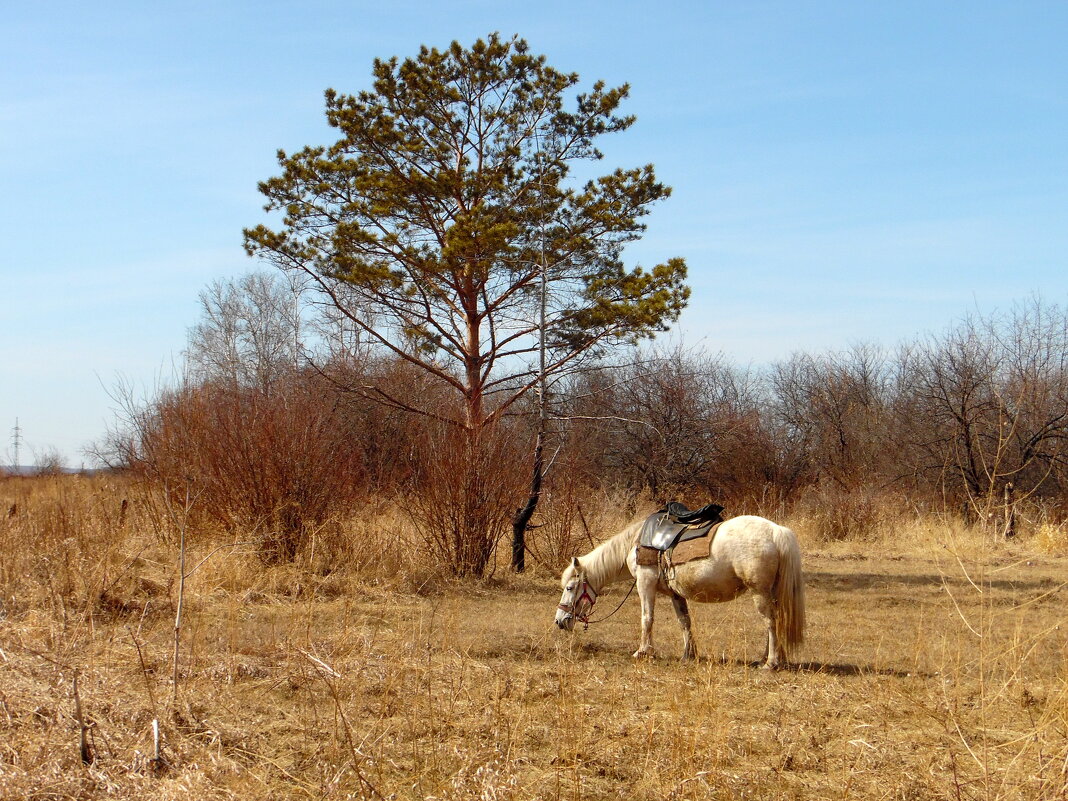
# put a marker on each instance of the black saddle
(676, 523)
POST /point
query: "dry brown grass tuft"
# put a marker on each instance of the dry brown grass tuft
(935, 667)
(1052, 539)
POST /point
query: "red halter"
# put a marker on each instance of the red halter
(581, 607)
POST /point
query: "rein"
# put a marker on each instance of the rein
(586, 622)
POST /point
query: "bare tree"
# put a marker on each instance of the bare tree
(671, 422)
(953, 405)
(986, 404)
(1032, 398)
(250, 331)
(832, 411)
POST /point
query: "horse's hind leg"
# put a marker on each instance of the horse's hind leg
(766, 607)
(682, 612)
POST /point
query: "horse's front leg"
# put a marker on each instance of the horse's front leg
(682, 612)
(646, 579)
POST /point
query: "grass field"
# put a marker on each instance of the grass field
(935, 666)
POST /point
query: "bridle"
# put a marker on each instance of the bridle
(589, 594)
(580, 607)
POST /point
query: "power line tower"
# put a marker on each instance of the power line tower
(16, 439)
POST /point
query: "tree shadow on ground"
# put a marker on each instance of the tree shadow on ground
(827, 668)
(863, 581)
(845, 669)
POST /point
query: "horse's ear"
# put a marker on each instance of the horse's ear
(575, 563)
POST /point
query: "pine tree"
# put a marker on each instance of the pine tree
(446, 201)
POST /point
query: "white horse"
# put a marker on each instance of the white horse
(747, 553)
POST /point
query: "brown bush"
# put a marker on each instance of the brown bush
(465, 492)
(674, 423)
(271, 465)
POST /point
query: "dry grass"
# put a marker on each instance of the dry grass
(935, 667)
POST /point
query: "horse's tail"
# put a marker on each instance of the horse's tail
(789, 590)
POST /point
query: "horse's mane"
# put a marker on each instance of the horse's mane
(607, 561)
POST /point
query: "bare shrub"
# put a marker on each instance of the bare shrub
(559, 531)
(464, 493)
(50, 462)
(272, 465)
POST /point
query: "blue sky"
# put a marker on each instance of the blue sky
(842, 171)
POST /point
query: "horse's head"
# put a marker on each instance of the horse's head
(578, 599)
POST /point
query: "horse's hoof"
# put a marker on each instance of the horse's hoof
(689, 657)
(643, 654)
(770, 666)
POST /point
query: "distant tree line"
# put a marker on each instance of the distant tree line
(944, 422)
(283, 420)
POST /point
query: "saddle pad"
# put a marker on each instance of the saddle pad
(647, 557)
(698, 548)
